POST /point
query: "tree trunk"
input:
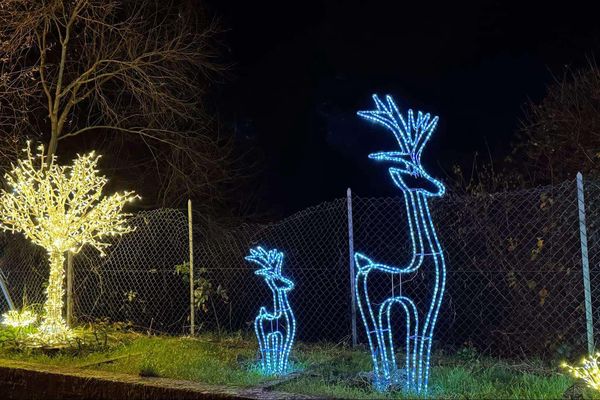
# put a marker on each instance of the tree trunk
(53, 320)
(52, 146)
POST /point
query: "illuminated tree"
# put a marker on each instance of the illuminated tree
(60, 208)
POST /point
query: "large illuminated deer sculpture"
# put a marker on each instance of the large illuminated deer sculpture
(417, 186)
(275, 329)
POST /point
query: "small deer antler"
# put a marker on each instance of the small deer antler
(411, 134)
(270, 261)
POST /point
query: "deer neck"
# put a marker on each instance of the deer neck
(429, 243)
(279, 300)
(417, 230)
(283, 305)
(423, 238)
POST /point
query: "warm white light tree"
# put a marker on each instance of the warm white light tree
(61, 208)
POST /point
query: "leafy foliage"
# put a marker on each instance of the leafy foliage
(557, 138)
(560, 136)
(205, 293)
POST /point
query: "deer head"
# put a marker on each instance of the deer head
(412, 134)
(270, 263)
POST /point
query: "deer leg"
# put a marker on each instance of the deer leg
(387, 353)
(262, 344)
(376, 342)
(410, 343)
(275, 343)
(426, 338)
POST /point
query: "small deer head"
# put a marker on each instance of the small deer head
(270, 263)
(412, 134)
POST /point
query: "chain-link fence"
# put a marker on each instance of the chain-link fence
(135, 282)
(24, 271)
(514, 270)
(315, 244)
(514, 284)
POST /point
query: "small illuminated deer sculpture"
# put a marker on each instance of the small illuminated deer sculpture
(417, 186)
(274, 329)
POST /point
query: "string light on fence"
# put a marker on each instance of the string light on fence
(411, 135)
(275, 329)
(62, 209)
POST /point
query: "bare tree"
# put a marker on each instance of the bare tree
(10, 145)
(125, 75)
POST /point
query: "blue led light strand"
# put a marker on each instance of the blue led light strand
(276, 329)
(411, 134)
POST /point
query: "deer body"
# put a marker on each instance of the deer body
(275, 329)
(412, 135)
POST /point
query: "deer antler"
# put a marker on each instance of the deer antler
(271, 260)
(411, 134)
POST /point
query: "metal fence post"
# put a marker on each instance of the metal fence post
(191, 246)
(69, 288)
(4, 287)
(351, 260)
(585, 264)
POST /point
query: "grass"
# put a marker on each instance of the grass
(325, 369)
(452, 378)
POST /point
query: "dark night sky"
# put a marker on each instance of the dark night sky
(302, 69)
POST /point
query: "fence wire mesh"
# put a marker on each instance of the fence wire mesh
(315, 244)
(514, 284)
(135, 282)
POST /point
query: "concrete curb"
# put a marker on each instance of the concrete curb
(21, 380)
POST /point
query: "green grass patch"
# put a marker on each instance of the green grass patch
(321, 369)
